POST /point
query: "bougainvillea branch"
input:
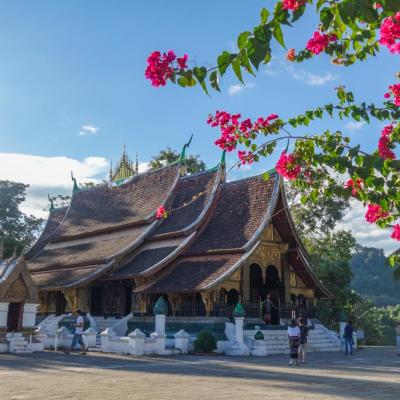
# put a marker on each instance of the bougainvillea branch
(322, 164)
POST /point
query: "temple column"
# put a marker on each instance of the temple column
(175, 301)
(72, 298)
(208, 300)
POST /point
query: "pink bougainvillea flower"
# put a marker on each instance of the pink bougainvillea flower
(232, 129)
(182, 61)
(160, 67)
(355, 186)
(390, 33)
(375, 212)
(319, 42)
(287, 166)
(161, 213)
(292, 4)
(377, 6)
(291, 55)
(246, 157)
(396, 232)
(384, 143)
(394, 90)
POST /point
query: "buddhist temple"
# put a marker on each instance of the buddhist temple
(221, 243)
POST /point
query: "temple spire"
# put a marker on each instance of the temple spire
(125, 168)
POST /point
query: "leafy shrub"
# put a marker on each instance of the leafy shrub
(205, 342)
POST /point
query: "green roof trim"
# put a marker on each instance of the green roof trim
(183, 152)
(75, 187)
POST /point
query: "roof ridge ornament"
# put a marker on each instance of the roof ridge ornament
(76, 187)
(51, 202)
(183, 152)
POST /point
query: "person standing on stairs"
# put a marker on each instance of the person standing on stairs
(78, 335)
(303, 340)
(294, 342)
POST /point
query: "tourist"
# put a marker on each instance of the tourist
(348, 338)
(303, 340)
(294, 341)
(78, 335)
(398, 337)
(267, 310)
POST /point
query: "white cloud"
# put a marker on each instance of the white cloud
(236, 89)
(49, 175)
(311, 79)
(365, 233)
(88, 130)
(354, 125)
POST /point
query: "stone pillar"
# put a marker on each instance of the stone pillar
(260, 348)
(238, 348)
(29, 316)
(136, 342)
(3, 315)
(106, 336)
(182, 341)
(160, 311)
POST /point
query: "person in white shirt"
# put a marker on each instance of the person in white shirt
(294, 342)
(78, 335)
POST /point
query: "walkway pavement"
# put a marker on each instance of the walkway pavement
(373, 373)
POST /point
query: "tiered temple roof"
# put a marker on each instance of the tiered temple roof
(111, 232)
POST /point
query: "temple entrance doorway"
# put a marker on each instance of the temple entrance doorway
(60, 303)
(232, 297)
(96, 300)
(14, 317)
(257, 288)
(273, 288)
(128, 300)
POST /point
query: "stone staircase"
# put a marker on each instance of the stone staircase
(101, 325)
(276, 341)
(18, 344)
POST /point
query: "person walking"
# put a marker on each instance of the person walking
(348, 338)
(267, 310)
(294, 342)
(303, 340)
(78, 333)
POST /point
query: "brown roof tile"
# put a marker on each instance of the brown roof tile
(55, 218)
(66, 277)
(83, 253)
(192, 273)
(240, 211)
(109, 207)
(143, 261)
(192, 196)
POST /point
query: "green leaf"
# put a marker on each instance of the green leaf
(214, 80)
(298, 13)
(242, 39)
(278, 35)
(257, 51)
(223, 62)
(264, 15)
(200, 73)
(326, 17)
(265, 176)
(236, 68)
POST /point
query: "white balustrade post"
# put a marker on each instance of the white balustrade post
(182, 341)
(136, 342)
(29, 316)
(238, 348)
(90, 336)
(3, 314)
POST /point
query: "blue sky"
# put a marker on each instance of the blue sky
(72, 84)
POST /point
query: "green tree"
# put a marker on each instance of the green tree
(17, 230)
(168, 156)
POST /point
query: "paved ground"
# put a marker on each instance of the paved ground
(374, 373)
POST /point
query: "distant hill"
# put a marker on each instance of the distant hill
(373, 277)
